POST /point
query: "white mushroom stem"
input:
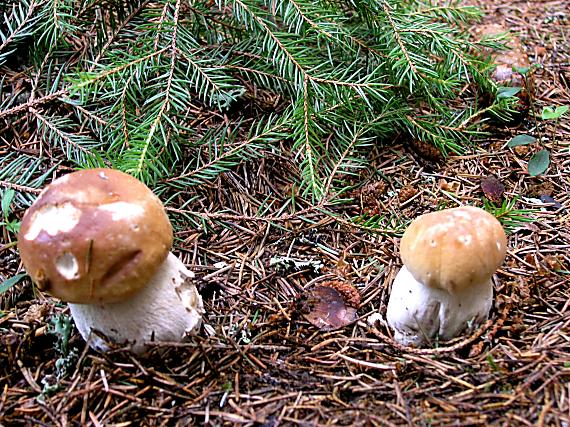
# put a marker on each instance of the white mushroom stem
(166, 309)
(419, 313)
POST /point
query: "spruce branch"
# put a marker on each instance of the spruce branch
(18, 24)
(403, 48)
(78, 147)
(178, 93)
(116, 31)
(309, 164)
(227, 152)
(140, 166)
(26, 174)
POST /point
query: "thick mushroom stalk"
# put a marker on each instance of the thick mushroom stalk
(166, 309)
(445, 284)
(100, 240)
(419, 313)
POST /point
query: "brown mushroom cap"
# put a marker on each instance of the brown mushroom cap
(454, 249)
(94, 236)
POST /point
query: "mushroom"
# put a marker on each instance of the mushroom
(515, 56)
(445, 283)
(506, 63)
(100, 240)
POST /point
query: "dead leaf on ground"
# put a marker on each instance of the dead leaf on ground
(554, 204)
(349, 293)
(325, 308)
(36, 312)
(555, 262)
(522, 150)
(493, 188)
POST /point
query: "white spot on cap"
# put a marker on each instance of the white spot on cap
(66, 264)
(61, 180)
(442, 227)
(465, 239)
(462, 215)
(53, 219)
(122, 210)
(499, 246)
(103, 176)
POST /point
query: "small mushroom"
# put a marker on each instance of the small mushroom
(515, 56)
(445, 284)
(100, 240)
(506, 63)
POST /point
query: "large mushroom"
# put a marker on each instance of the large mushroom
(445, 284)
(100, 240)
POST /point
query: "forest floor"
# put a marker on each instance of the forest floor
(257, 361)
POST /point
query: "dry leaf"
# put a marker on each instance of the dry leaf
(349, 293)
(493, 189)
(522, 150)
(36, 313)
(476, 349)
(343, 268)
(554, 262)
(324, 307)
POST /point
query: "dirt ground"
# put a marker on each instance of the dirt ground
(257, 361)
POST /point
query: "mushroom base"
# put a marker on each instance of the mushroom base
(419, 314)
(167, 309)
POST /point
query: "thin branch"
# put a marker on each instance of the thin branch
(398, 38)
(308, 147)
(166, 102)
(58, 131)
(22, 108)
(15, 31)
(23, 188)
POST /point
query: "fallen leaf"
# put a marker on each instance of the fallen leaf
(555, 262)
(529, 259)
(343, 268)
(426, 150)
(554, 204)
(521, 140)
(349, 293)
(493, 188)
(522, 150)
(325, 308)
(538, 163)
(476, 349)
(36, 313)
